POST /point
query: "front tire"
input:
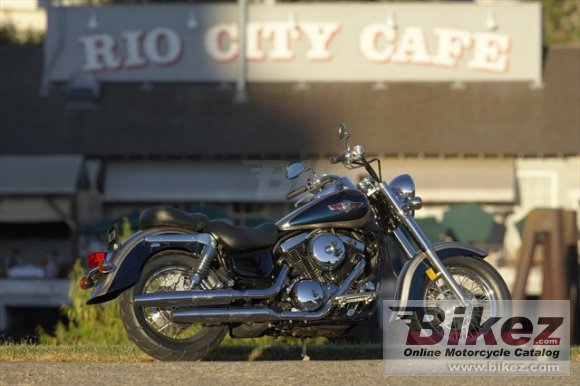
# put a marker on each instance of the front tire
(483, 285)
(475, 275)
(151, 328)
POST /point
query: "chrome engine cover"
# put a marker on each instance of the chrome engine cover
(327, 250)
(307, 295)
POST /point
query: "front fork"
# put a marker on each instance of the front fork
(422, 241)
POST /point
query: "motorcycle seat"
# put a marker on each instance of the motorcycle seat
(243, 238)
(168, 216)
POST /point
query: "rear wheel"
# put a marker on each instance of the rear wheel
(151, 328)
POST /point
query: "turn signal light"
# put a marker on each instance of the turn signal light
(416, 203)
(83, 284)
(95, 258)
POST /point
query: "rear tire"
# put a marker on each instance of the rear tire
(149, 327)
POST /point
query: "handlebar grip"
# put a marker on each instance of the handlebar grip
(338, 158)
(296, 192)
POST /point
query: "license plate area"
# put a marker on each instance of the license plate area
(113, 235)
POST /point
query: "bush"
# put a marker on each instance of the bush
(97, 324)
(11, 36)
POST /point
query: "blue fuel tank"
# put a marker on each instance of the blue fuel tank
(347, 208)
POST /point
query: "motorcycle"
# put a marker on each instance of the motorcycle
(184, 281)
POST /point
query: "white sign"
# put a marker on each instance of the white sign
(159, 46)
(443, 42)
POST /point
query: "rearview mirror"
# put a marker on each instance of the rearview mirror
(294, 170)
(341, 131)
(343, 134)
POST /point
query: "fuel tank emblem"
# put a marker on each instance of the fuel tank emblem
(345, 206)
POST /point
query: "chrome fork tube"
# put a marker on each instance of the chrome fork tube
(431, 254)
(423, 242)
(405, 244)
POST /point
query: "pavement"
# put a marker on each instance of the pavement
(363, 372)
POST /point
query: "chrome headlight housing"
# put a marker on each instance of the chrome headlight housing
(404, 188)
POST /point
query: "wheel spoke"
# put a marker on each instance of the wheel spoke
(465, 278)
(478, 289)
(168, 279)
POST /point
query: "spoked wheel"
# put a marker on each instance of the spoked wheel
(481, 282)
(151, 328)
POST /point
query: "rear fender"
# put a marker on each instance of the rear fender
(131, 256)
(412, 276)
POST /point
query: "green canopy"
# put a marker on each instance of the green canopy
(432, 228)
(469, 223)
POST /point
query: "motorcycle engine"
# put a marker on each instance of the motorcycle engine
(324, 257)
(307, 295)
(327, 251)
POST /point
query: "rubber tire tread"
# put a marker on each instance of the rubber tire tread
(154, 344)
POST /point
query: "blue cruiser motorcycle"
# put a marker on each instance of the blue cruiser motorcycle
(184, 281)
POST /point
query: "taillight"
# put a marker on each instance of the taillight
(95, 258)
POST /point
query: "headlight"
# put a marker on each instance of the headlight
(403, 186)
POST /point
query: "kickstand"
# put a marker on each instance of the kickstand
(305, 356)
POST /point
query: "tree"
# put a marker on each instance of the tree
(561, 18)
(561, 22)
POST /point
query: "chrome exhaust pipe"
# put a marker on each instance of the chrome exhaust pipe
(262, 314)
(244, 315)
(210, 297)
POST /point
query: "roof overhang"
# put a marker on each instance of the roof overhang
(40, 175)
(438, 181)
(39, 188)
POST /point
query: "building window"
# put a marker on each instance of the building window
(537, 189)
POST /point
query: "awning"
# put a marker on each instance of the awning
(33, 210)
(459, 180)
(437, 180)
(39, 175)
(196, 181)
(38, 188)
(449, 180)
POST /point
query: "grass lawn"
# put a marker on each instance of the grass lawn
(130, 353)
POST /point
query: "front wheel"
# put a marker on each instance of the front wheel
(151, 328)
(482, 284)
(476, 276)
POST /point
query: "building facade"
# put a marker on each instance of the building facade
(112, 116)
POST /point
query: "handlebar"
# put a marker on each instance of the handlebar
(339, 158)
(309, 187)
(296, 192)
(356, 155)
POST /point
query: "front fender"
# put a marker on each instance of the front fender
(412, 275)
(128, 261)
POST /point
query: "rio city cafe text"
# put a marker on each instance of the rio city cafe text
(276, 41)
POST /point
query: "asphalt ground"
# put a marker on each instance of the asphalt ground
(357, 372)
